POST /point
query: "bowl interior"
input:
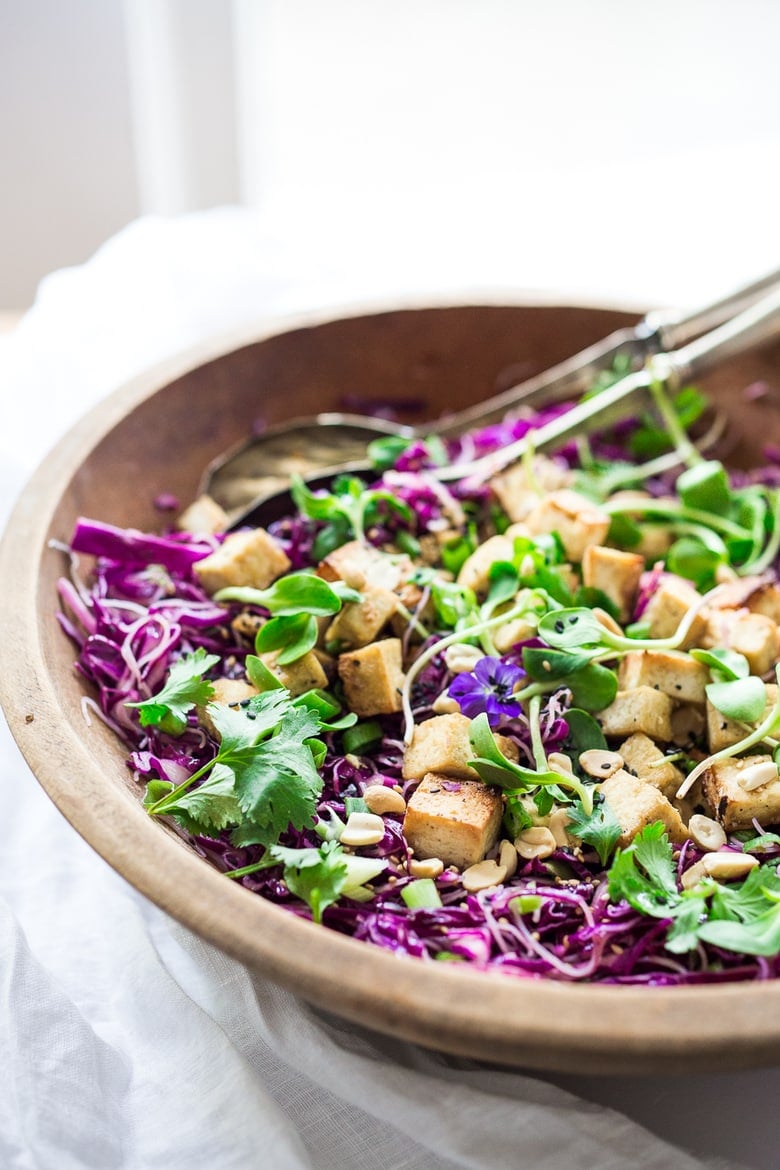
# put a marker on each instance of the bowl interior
(157, 435)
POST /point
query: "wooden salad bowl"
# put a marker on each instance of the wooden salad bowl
(157, 435)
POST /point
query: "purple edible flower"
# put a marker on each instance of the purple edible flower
(490, 689)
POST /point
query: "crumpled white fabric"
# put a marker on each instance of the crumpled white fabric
(126, 1041)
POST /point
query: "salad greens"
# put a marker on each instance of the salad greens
(546, 736)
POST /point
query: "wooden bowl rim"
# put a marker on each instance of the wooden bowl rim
(516, 1021)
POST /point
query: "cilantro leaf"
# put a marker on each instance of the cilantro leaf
(759, 936)
(277, 783)
(600, 828)
(316, 876)
(210, 807)
(184, 689)
(643, 873)
(244, 726)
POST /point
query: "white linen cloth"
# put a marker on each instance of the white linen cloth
(127, 1042)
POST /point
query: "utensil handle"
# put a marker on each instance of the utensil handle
(671, 330)
(752, 328)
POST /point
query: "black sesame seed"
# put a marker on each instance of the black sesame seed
(244, 703)
(559, 627)
(573, 620)
(251, 715)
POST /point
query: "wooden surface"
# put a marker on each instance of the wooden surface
(156, 435)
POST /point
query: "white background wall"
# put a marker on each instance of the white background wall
(607, 126)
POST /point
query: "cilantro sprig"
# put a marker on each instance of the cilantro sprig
(743, 917)
(185, 688)
(263, 777)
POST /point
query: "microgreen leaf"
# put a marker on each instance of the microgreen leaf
(386, 451)
(492, 766)
(260, 675)
(743, 699)
(705, 486)
(294, 636)
(572, 629)
(184, 688)
(583, 735)
(593, 687)
(544, 665)
(725, 665)
(296, 593)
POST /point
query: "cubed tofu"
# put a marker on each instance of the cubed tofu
(637, 804)
(669, 604)
(519, 493)
(512, 632)
(228, 692)
(360, 622)
(304, 674)
(442, 744)
(642, 709)
(615, 573)
(244, 558)
(578, 522)
(687, 724)
(757, 594)
(734, 806)
(723, 732)
(453, 819)
(475, 570)
(204, 515)
(751, 634)
(373, 678)
(358, 564)
(642, 757)
(676, 674)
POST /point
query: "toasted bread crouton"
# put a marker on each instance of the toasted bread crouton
(736, 806)
(360, 622)
(670, 603)
(751, 634)
(441, 744)
(578, 522)
(676, 674)
(304, 674)
(227, 692)
(615, 573)
(244, 558)
(648, 763)
(453, 819)
(373, 678)
(637, 804)
(641, 709)
(723, 732)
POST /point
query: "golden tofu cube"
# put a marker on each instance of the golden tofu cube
(360, 622)
(578, 522)
(751, 634)
(373, 678)
(734, 806)
(204, 515)
(475, 570)
(441, 744)
(642, 709)
(304, 674)
(642, 757)
(671, 671)
(615, 573)
(723, 732)
(519, 493)
(670, 603)
(756, 594)
(637, 804)
(244, 558)
(228, 692)
(453, 819)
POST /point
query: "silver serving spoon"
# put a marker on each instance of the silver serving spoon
(318, 448)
